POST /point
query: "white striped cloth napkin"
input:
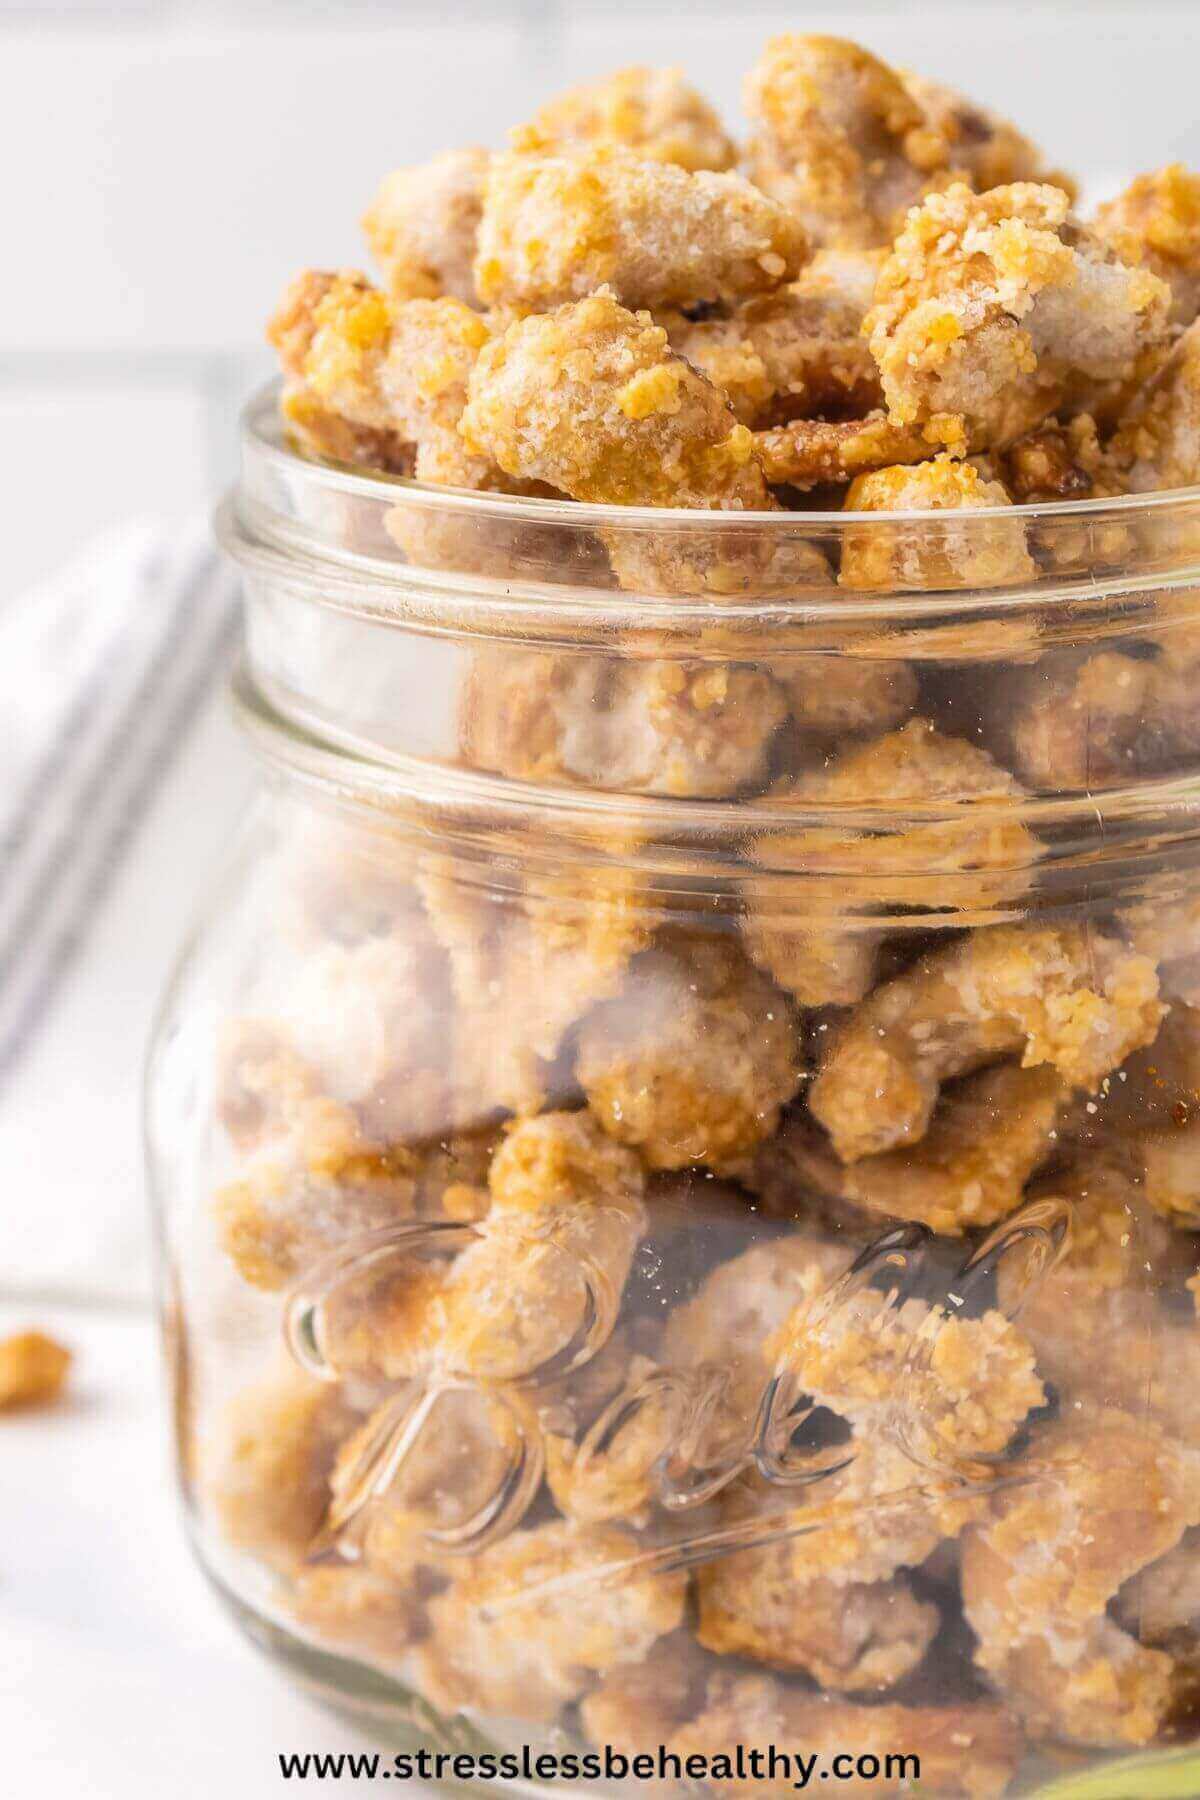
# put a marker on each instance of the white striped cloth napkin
(120, 781)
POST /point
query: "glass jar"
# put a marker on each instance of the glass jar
(676, 1142)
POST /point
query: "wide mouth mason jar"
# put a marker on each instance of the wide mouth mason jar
(677, 1140)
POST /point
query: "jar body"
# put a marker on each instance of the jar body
(655, 1272)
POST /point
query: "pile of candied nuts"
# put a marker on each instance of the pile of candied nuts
(987, 1535)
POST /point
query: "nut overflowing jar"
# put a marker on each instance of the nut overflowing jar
(678, 1142)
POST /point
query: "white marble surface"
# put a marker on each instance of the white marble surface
(120, 1676)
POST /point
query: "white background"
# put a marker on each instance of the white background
(168, 165)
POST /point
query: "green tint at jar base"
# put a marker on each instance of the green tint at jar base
(676, 1141)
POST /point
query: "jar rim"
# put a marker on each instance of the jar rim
(449, 561)
(264, 437)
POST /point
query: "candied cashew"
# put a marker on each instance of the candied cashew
(638, 1707)
(33, 1369)
(985, 853)
(265, 1471)
(316, 1169)
(738, 1307)
(1074, 720)
(838, 138)
(693, 1060)
(525, 968)
(554, 1249)
(398, 367)
(555, 228)
(1157, 442)
(810, 453)
(985, 1140)
(799, 350)
(861, 1636)
(992, 306)
(637, 726)
(591, 399)
(656, 113)
(968, 1752)
(562, 1617)
(1155, 224)
(1067, 996)
(352, 1609)
(1111, 1496)
(1100, 1330)
(987, 148)
(423, 222)
(845, 696)
(972, 553)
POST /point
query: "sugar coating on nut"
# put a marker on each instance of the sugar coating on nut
(694, 1060)
(990, 304)
(1112, 1496)
(534, 1620)
(656, 113)
(591, 398)
(422, 224)
(1068, 996)
(1154, 223)
(970, 1750)
(565, 1218)
(932, 555)
(557, 228)
(651, 727)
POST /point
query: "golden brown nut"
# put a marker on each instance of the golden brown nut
(653, 112)
(1155, 224)
(557, 228)
(1068, 996)
(991, 306)
(527, 1627)
(986, 148)
(1095, 1318)
(1084, 721)
(727, 1323)
(962, 1399)
(693, 1060)
(383, 365)
(989, 1134)
(638, 1707)
(985, 853)
(838, 138)
(643, 727)
(549, 1258)
(33, 1369)
(841, 696)
(316, 1172)
(810, 453)
(1157, 444)
(591, 399)
(1161, 1602)
(853, 1638)
(799, 350)
(969, 1751)
(1112, 1495)
(367, 1021)
(974, 553)
(423, 222)
(319, 432)
(525, 968)
(348, 1608)
(265, 1477)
